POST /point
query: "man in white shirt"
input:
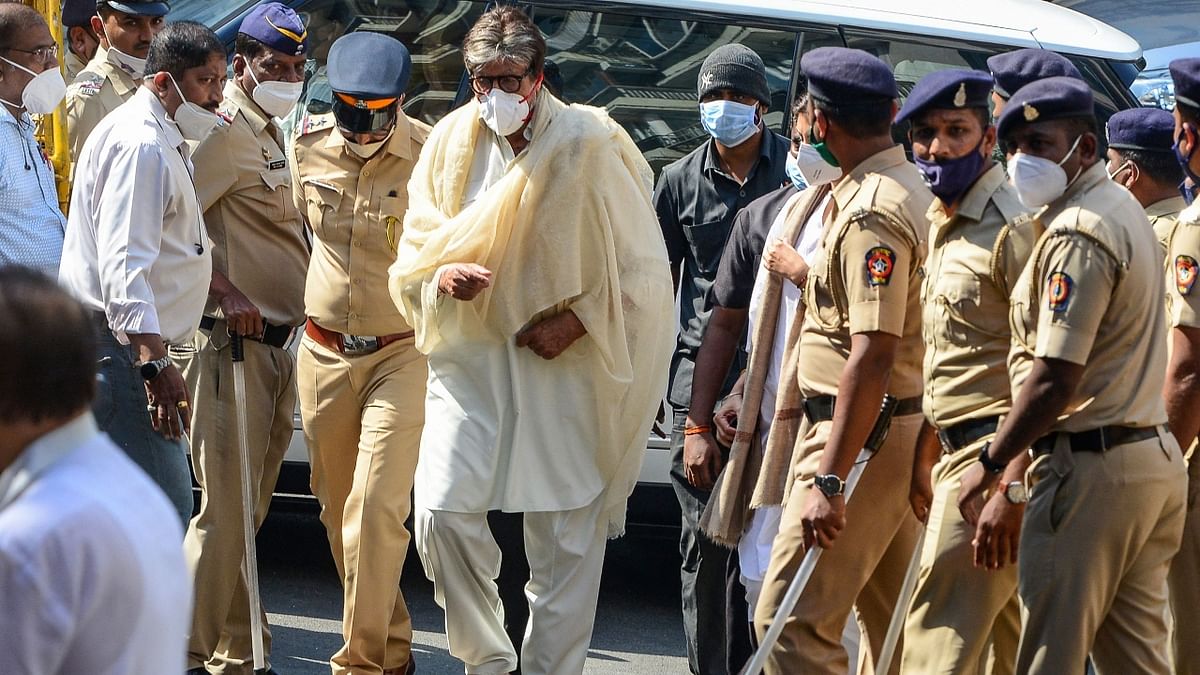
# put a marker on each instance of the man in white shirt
(31, 224)
(91, 572)
(137, 255)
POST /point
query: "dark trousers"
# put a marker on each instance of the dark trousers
(715, 616)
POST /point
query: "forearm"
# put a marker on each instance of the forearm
(712, 363)
(861, 389)
(1044, 396)
(147, 346)
(1181, 390)
(219, 286)
(929, 448)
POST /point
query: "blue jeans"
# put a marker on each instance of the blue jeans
(120, 411)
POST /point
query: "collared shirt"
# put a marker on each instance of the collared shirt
(92, 575)
(867, 276)
(975, 258)
(31, 224)
(1086, 297)
(356, 209)
(740, 262)
(72, 64)
(1162, 215)
(245, 187)
(1182, 267)
(696, 202)
(99, 89)
(136, 247)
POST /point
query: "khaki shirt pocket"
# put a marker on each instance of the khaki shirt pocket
(278, 195)
(322, 201)
(957, 297)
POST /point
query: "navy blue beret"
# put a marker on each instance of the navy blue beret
(947, 89)
(1186, 75)
(1150, 129)
(1049, 99)
(136, 7)
(369, 66)
(843, 77)
(1013, 70)
(78, 12)
(278, 27)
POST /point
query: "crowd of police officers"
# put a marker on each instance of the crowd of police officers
(1033, 323)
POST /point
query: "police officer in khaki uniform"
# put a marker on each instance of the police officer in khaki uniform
(1015, 69)
(260, 256)
(362, 382)
(1140, 158)
(115, 72)
(1106, 508)
(862, 321)
(80, 42)
(1183, 371)
(980, 237)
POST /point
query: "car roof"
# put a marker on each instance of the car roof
(1019, 23)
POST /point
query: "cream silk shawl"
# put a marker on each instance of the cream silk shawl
(571, 224)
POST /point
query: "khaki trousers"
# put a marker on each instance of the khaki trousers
(566, 556)
(1099, 534)
(214, 543)
(862, 572)
(362, 421)
(1184, 582)
(958, 609)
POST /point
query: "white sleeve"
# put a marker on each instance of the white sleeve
(129, 216)
(35, 625)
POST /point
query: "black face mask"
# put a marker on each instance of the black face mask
(362, 120)
(1185, 162)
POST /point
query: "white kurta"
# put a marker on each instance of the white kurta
(504, 428)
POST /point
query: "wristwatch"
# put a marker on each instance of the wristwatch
(1016, 493)
(990, 465)
(830, 485)
(151, 369)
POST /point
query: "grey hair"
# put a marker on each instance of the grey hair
(504, 33)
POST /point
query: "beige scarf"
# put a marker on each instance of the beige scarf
(755, 477)
(570, 225)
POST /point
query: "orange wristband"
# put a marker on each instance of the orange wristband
(693, 431)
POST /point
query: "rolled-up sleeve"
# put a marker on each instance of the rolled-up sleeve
(129, 227)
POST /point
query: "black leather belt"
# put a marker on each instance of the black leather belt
(1101, 439)
(958, 436)
(275, 336)
(820, 408)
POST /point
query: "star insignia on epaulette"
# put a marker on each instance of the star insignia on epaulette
(311, 123)
(1031, 113)
(960, 98)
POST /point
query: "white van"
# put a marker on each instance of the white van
(640, 58)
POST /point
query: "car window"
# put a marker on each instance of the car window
(211, 13)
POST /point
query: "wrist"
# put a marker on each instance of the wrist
(697, 429)
(991, 465)
(829, 484)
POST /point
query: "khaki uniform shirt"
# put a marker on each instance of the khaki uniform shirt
(975, 258)
(72, 64)
(1086, 297)
(1162, 215)
(1183, 263)
(245, 187)
(98, 90)
(356, 211)
(867, 276)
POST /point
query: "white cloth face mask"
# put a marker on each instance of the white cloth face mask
(193, 121)
(368, 150)
(505, 113)
(814, 168)
(1039, 181)
(44, 92)
(276, 98)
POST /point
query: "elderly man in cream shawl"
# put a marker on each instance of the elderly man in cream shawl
(534, 275)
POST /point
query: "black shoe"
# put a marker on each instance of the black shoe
(196, 671)
(269, 671)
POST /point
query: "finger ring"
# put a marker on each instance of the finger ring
(182, 405)
(151, 408)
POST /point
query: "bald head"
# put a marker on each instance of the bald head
(16, 18)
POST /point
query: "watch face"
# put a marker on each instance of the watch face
(1016, 492)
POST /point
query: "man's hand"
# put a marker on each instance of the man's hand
(551, 337)
(164, 393)
(242, 315)
(702, 461)
(974, 485)
(725, 418)
(920, 493)
(780, 258)
(998, 532)
(464, 281)
(824, 519)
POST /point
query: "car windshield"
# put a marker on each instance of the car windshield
(212, 13)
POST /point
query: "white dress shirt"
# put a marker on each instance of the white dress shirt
(31, 224)
(92, 577)
(136, 248)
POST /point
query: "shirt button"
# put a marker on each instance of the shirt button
(357, 243)
(742, 193)
(366, 173)
(353, 315)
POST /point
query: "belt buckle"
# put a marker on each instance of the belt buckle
(354, 345)
(944, 440)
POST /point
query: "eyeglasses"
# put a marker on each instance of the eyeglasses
(42, 54)
(510, 84)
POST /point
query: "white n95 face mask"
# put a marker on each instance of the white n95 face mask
(505, 113)
(368, 150)
(134, 66)
(275, 98)
(193, 121)
(813, 167)
(44, 92)
(1039, 181)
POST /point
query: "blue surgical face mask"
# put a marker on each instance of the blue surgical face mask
(729, 122)
(950, 179)
(792, 168)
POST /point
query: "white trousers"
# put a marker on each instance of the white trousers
(566, 556)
